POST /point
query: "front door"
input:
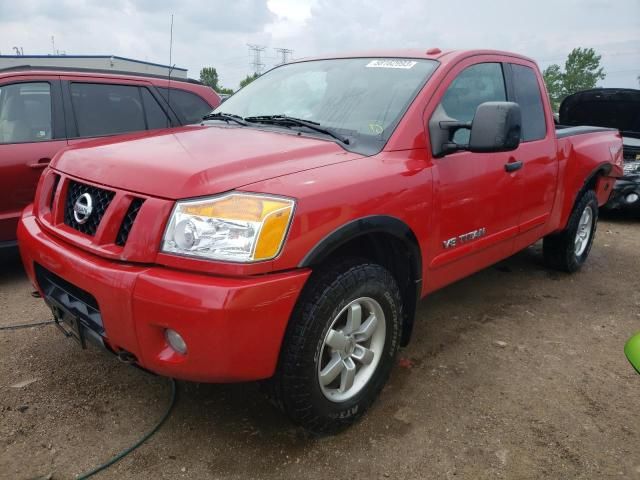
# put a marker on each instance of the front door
(476, 200)
(30, 136)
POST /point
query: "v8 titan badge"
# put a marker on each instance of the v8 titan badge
(464, 238)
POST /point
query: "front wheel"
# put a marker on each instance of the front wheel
(569, 249)
(340, 346)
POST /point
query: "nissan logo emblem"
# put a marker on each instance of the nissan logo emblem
(82, 208)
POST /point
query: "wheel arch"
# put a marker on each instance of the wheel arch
(386, 240)
(591, 182)
(592, 179)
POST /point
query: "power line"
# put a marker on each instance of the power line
(256, 51)
(284, 54)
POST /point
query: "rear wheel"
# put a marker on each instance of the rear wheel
(340, 346)
(569, 249)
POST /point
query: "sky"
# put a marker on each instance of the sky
(216, 32)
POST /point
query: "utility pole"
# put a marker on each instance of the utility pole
(256, 51)
(285, 53)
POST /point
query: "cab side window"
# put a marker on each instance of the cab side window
(527, 95)
(476, 84)
(25, 112)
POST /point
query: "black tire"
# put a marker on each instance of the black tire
(295, 388)
(559, 249)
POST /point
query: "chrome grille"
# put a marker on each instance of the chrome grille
(100, 201)
(632, 168)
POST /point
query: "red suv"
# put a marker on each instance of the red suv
(42, 111)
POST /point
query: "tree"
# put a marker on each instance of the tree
(209, 76)
(248, 79)
(582, 71)
(553, 80)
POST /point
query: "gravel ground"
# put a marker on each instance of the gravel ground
(515, 372)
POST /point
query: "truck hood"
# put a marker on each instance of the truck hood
(604, 107)
(196, 160)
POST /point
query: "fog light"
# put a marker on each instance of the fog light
(175, 341)
(631, 198)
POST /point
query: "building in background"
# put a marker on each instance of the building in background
(95, 62)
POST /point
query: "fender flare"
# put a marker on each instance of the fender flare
(601, 169)
(363, 226)
(370, 225)
(604, 168)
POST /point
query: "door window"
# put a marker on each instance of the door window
(25, 112)
(189, 106)
(527, 93)
(476, 84)
(107, 109)
(156, 116)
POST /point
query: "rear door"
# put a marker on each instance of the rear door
(32, 131)
(476, 201)
(101, 107)
(537, 152)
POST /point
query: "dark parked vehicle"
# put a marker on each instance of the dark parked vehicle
(43, 111)
(617, 108)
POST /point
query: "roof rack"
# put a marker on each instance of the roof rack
(96, 70)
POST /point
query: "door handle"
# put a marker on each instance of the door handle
(513, 166)
(42, 163)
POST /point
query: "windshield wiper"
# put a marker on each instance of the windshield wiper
(226, 117)
(285, 120)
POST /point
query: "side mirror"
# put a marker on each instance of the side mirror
(496, 127)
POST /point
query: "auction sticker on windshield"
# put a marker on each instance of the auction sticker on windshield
(395, 63)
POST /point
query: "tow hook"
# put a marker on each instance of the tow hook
(127, 357)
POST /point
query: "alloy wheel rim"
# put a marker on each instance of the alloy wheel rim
(584, 231)
(352, 349)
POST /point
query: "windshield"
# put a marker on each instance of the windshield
(362, 99)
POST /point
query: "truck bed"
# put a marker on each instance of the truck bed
(563, 131)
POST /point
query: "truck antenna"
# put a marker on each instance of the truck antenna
(170, 68)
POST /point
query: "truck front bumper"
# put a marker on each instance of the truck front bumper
(233, 327)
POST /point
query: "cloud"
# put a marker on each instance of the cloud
(215, 33)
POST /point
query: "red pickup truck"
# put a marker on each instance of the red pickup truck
(290, 236)
(45, 109)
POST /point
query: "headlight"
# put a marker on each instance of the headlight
(237, 227)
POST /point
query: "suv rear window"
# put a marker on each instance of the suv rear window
(25, 112)
(106, 109)
(189, 106)
(156, 116)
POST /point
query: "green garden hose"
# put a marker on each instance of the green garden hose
(128, 450)
(119, 456)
